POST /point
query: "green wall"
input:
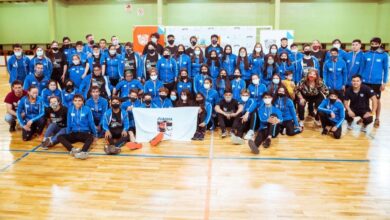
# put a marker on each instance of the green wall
(323, 20)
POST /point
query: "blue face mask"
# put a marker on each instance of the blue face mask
(334, 57)
(173, 98)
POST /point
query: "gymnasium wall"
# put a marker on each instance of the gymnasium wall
(325, 20)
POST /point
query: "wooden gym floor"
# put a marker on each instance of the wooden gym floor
(306, 176)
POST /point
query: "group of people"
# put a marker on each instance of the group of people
(88, 91)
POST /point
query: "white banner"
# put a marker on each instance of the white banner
(236, 36)
(177, 123)
(269, 37)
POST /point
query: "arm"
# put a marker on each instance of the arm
(91, 123)
(322, 107)
(105, 121)
(41, 111)
(19, 112)
(342, 115)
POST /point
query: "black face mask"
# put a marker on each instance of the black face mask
(223, 76)
(193, 43)
(283, 59)
(307, 53)
(214, 58)
(199, 102)
(151, 51)
(115, 106)
(147, 101)
(69, 87)
(66, 46)
(183, 77)
(55, 49)
(214, 41)
(374, 48)
(204, 72)
(92, 42)
(281, 94)
(166, 56)
(132, 99)
(332, 101)
(236, 76)
(171, 41)
(180, 52)
(163, 97)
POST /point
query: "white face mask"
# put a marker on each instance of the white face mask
(289, 77)
(258, 50)
(276, 81)
(115, 42)
(294, 50)
(18, 53)
(76, 62)
(244, 98)
(96, 53)
(197, 52)
(273, 51)
(39, 53)
(153, 77)
(154, 40)
(242, 54)
(79, 50)
(184, 97)
(270, 62)
(337, 46)
(267, 101)
(112, 52)
(207, 86)
(256, 81)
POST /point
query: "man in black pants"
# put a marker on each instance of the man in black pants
(357, 103)
(80, 128)
(227, 109)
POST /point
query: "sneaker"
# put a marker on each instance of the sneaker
(201, 136)
(249, 135)
(376, 123)
(81, 155)
(46, 143)
(324, 131)
(349, 126)
(156, 140)
(301, 124)
(253, 147)
(133, 145)
(283, 131)
(240, 141)
(195, 137)
(12, 127)
(267, 143)
(363, 129)
(224, 134)
(74, 151)
(317, 123)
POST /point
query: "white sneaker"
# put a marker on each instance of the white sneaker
(81, 155)
(74, 151)
(249, 135)
(349, 127)
(301, 124)
(363, 129)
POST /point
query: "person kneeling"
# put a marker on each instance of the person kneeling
(270, 117)
(80, 128)
(332, 114)
(115, 125)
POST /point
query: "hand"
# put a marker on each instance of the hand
(98, 128)
(130, 108)
(63, 77)
(333, 129)
(202, 124)
(27, 128)
(200, 110)
(368, 114)
(332, 115)
(29, 123)
(107, 135)
(302, 101)
(383, 87)
(245, 117)
(227, 115)
(124, 133)
(351, 114)
(83, 76)
(271, 120)
(343, 88)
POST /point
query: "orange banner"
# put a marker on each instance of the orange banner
(141, 36)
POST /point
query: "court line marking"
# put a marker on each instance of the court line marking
(19, 158)
(204, 157)
(209, 177)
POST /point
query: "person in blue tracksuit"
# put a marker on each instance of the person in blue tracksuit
(257, 59)
(244, 64)
(68, 93)
(295, 57)
(197, 60)
(332, 114)
(214, 64)
(214, 46)
(376, 71)
(210, 94)
(290, 121)
(247, 121)
(117, 46)
(132, 61)
(256, 88)
(79, 51)
(80, 128)
(335, 73)
(96, 79)
(77, 71)
(67, 48)
(270, 119)
(132, 102)
(30, 114)
(153, 85)
(114, 65)
(285, 65)
(284, 47)
(336, 43)
(275, 84)
(116, 124)
(183, 61)
(354, 61)
(204, 116)
(269, 68)
(125, 86)
(167, 70)
(37, 79)
(222, 83)
(146, 101)
(200, 78)
(184, 82)
(88, 47)
(307, 62)
(18, 65)
(51, 90)
(96, 58)
(98, 106)
(162, 101)
(237, 84)
(41, 58)
(229, 61)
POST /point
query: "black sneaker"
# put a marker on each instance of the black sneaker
(224, 134)
(267, 143)
(45, 144)
(253, 147)
(201, 136)
(12, 127)
(324, 131)
(195, 137)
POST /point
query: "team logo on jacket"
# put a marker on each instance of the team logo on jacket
(361, 95)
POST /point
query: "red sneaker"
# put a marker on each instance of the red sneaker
(156, 140)
(133, 145)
